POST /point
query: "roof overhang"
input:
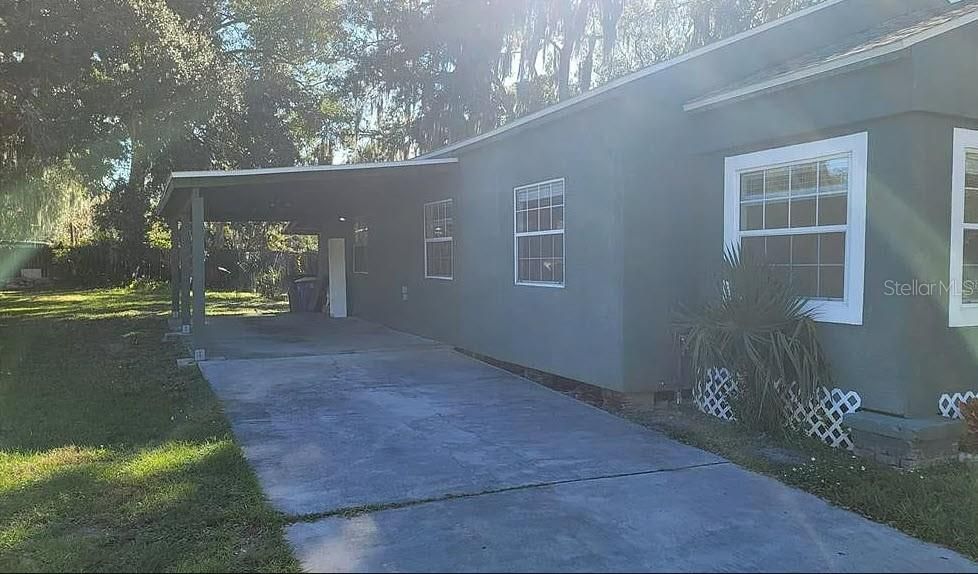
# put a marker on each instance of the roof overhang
(289, 193)
(841, 63)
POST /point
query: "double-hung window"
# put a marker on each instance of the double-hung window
(963, 288)
(802, 209)
(439, 242)
(539, 227)
(361, 237)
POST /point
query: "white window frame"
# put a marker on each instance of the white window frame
(360, 221)
(850, 309)
(427, 240)
(959, 314)
(518, 234)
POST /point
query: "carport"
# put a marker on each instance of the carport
(321, 200)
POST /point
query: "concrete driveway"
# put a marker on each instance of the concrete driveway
(392, 453)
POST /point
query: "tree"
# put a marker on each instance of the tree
(137, 88)
(49, 204)
(425, 73)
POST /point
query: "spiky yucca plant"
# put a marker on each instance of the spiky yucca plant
(763, 333)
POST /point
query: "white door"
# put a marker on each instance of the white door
(336, 253)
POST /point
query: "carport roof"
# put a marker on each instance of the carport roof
(282, 193)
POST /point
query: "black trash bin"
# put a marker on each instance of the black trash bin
(304, 295)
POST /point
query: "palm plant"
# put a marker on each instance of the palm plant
(763, 333)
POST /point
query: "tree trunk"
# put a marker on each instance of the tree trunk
(135, 203)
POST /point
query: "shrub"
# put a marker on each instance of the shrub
(107, 262)
(969, 412)
(758, 328)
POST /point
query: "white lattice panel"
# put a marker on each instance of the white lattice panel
(821, 418)
(711, 394)
(948, 403)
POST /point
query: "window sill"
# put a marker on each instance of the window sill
(962, 315)
(532, 284)
(837, 312)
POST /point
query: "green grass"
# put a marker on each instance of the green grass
(938, 504)
(112, 458)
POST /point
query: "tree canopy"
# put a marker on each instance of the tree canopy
(104, 98)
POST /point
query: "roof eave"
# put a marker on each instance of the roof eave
(204, 179)
(869, 57)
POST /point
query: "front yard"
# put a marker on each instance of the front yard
(112, 458)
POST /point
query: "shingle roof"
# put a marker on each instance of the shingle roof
(892, 35)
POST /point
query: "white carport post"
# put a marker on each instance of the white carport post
(197, 237)
(331, 264)
(336, 253)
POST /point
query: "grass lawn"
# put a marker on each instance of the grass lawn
(938, 504)
(112, 458)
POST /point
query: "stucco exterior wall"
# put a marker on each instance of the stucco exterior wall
(903, 355)
(574, 331)
(644, 217)
(396, 261)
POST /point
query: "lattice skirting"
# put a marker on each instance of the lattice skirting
(821, 418)
(948, 403)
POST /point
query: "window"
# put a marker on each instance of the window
(802, 208)
(439, 245)
(361, 237)
(539, 225)
(963, 288)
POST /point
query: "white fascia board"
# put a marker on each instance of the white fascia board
(787, 79)
(627, 79)
(177, 175)
(174, 181)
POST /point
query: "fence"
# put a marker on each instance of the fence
(107, 264)
(265, 271)
(20, 256)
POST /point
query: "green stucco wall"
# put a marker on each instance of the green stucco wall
(644, 193)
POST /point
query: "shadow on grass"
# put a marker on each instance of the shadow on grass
(181, 506)
(112, 458)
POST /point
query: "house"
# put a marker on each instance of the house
(841, 141)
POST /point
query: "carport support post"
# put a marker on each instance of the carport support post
(174, 269)
(185, 258)
(197, 236)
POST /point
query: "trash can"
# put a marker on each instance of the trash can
(303, 295)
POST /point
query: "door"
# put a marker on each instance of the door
(336, 255)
